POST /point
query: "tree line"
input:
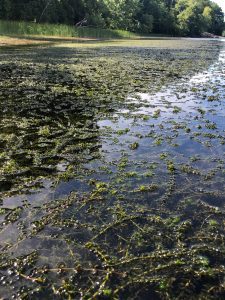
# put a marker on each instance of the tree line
(174, 17)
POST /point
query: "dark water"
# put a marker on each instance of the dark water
(110, 191)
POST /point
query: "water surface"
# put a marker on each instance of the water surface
(112, 164)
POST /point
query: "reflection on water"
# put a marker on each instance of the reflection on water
(185, 118)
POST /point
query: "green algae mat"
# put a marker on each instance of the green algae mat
(112, 170)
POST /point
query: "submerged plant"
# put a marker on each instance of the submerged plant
(109, 214)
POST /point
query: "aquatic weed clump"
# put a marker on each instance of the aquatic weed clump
(150, 251)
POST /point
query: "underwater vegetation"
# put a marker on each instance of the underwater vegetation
(112, 172)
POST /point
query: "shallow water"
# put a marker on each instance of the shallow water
(115, 188)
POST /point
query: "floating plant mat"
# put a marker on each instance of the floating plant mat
(112, 172)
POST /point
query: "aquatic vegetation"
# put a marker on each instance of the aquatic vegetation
(147, 188)
(134, 146)
(170, 167)
(112, 172)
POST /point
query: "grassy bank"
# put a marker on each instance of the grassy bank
(29, 28)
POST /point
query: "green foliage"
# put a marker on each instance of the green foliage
(195, 17)
(185, 17)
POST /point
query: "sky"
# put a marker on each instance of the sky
(221, 4)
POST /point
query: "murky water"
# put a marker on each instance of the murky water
(109, 197)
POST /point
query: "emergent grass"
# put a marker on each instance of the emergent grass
(29, 28)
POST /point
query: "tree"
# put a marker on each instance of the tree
(217, 23)
(5, 9)
(197, 16)
(121, 14)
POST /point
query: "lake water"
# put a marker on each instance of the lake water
(103, 200)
